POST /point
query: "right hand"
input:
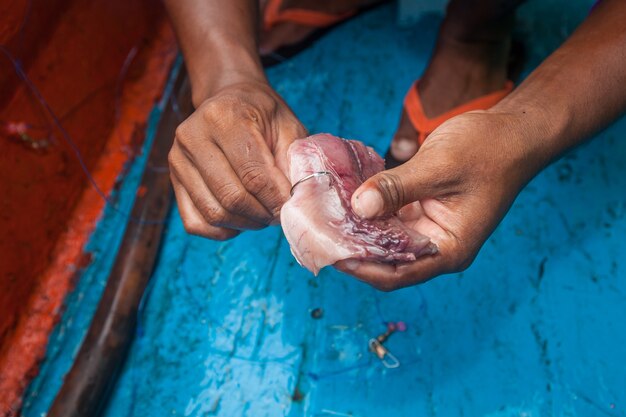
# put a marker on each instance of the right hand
(228, 163)
(455, 190)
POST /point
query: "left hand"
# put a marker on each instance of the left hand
(229, 158)
(455, 190)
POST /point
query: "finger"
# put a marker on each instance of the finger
(205, 203)
(217, 173)
(193, 221)
(388, 277)
(255, 166)
(451, 257)
(210, 209)
(220, 178)
(411, 212)
(291, 129)
(388, 191)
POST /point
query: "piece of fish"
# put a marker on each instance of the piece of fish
(318, 220)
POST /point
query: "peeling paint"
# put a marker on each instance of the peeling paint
(534, 328)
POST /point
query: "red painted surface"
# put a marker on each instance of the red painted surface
(73, 51)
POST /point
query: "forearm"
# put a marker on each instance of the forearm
(576, 91)
(218, 39)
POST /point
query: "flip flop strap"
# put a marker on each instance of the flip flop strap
(425, 125)
(273, 15)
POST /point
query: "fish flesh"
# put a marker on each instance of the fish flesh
(318, 220)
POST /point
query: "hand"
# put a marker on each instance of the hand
(455, 190)
(229, 160)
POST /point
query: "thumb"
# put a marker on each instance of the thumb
(286, 136)
(389, 191)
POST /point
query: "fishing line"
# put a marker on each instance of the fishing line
(423, 310)
(57, 121)
(118, 95)
(33, 89)
(29, 7)
(26, 126)
(66, 136)
(379, 311)
(176, 108)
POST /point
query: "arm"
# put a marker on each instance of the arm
(579, 89)
(218, 39)
(463, 180)
(228, 159)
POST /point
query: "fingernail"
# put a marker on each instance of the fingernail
(351, 264)
(403, 148)
(368, 204)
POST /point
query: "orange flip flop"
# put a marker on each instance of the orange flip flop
(425, 126)
(273, 15)
(321, 21)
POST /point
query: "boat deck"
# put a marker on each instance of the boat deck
(535, 327)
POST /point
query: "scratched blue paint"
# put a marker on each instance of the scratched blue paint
(534, 328)
(81, 304)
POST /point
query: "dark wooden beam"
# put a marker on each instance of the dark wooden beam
(93, 375)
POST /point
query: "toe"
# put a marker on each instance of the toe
(403, 148)
(404, 144)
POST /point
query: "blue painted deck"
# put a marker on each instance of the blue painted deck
(536, 327)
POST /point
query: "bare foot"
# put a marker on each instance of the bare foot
(459, 71)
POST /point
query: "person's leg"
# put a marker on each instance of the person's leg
(289, 33)
(470, 60)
